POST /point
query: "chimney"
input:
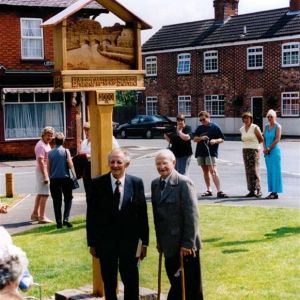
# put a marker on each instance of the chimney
(225, 9)
(294, 5)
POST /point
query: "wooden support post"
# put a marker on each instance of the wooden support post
(9, 179)
(101, 142)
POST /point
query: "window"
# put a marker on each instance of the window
(151, 66)
(151, 105)
(26, 114)
(210, 61)
(184, 105)
(290, 104)
(32, 39)
(290, 54)
(255, 58)
(214, 104)
(183, 63)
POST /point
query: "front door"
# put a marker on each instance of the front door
(257, 111)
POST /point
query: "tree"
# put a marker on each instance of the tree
(126, 98)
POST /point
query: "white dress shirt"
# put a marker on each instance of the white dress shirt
(121, 187)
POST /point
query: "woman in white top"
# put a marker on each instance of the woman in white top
(251, 138)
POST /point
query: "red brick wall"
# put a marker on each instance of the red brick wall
(231, 80)
(10, 50)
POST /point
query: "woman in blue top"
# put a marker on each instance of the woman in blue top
(272, 152)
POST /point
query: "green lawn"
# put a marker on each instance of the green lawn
(248, 253)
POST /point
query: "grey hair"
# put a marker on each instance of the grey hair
(165, 153)
(13, 262)
(126, 154)
(271, 113)
(48, 129)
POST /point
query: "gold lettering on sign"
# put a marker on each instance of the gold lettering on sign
(105, 98)
(78, 82)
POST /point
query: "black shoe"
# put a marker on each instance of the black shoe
(68, 224)
(58, 225)
(272, 196)
(251, 194)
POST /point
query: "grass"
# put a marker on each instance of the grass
(248, 253)
(10, 200)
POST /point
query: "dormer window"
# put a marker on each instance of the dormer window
(151, 66)
(32, 38)
(183, 63)
(211, 61)
(291, 55)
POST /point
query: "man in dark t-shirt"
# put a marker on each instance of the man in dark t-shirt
(180, 144)
(208, 136)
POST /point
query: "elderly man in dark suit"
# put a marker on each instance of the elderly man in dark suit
(176, 217)
(117, 223)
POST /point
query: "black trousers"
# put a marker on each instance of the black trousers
(110, 263)
(192, 272)
(87, 181)
(61, 187)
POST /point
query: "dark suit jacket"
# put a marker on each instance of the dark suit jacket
(108, 230)
(175, 213)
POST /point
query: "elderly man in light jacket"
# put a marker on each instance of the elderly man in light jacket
(176, 222)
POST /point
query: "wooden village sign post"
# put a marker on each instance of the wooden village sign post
(98, 60)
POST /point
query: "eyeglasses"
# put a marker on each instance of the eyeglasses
(270, 117)
(201, 120)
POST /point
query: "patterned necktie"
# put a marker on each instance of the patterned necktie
(162, 184)
(117, 195)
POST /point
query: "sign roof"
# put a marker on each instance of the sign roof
(115, 7)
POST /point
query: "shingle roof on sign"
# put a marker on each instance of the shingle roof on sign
(47, 3)
(259, 25)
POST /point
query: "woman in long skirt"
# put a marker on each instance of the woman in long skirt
(272, 152)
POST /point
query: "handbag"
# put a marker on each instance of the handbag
(73, 179)
(75, 184)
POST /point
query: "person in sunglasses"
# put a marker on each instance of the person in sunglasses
(208, 136)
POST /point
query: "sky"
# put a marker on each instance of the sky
(165, 12)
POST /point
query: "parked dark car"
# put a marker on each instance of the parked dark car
(146, 126)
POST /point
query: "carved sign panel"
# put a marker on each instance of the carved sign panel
(101, 81)
(93, 47)
(106, 97)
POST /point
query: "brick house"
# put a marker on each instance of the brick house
(26, 63)
(227, 65)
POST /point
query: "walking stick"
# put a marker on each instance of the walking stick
(159, 276)
(210, 159)
(182, 278)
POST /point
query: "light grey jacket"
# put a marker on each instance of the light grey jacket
(176, 215)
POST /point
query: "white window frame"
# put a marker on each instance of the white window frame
(34, 37)
(33, 102)
(151, 105)
(255, 53)
(151, 66)
(183, 63)
(290, 50)
(211, 59)
(215, 100)
(290, 104)
(185, 105)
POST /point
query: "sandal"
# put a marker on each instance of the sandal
(272, 196)
(221, 195)
(207, 194)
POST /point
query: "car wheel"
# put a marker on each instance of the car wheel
(123, 134)
(148, 134)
